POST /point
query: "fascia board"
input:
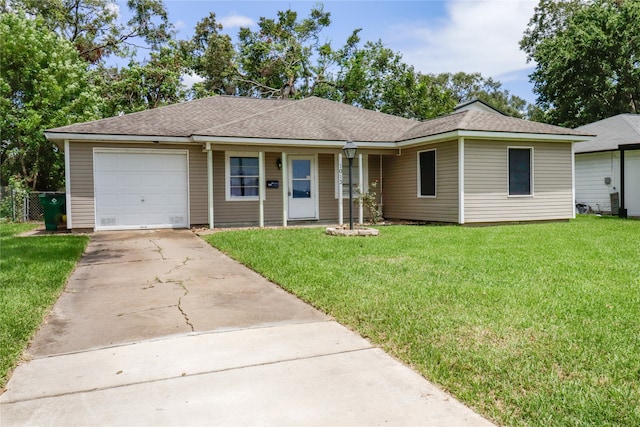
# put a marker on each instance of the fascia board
(289, 142)
(55, 136)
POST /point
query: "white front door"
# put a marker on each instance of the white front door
(632, 182)
(137, 189)
(302, 187)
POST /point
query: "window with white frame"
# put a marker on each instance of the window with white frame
(427, 173)
(355, 171)
(242, 176)
(520, 171)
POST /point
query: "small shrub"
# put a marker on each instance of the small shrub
(369, 199)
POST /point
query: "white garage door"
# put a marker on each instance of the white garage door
(632, 182)
(136, 189)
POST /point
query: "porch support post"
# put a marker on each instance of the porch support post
(285, 189)
(362, 188)
(340, 195)
(261, 186)
(67, 183)
(460, 180)
(210, 183)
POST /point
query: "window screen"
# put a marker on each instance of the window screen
(519, 171)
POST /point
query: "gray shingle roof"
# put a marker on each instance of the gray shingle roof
(611, 132)
(307, 119)
(481, 121)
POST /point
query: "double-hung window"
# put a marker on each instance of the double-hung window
(427, 173)
(242, 176)
(520, 171)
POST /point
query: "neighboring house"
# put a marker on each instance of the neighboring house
(608, 167)
(236, 161)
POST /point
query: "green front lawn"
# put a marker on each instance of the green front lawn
(530, 325)
(33, 271)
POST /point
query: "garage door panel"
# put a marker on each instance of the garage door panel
(632, 180)
(141, 190)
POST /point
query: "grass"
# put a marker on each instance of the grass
(33, 271)
(535, 325)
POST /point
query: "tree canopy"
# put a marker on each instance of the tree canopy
(587, 56)
(43, 84)
(93, 27)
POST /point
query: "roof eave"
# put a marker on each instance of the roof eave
(62, 136)
(491, 135)
(289, 142)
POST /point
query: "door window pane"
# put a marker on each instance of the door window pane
(301, 189)
(301, 169)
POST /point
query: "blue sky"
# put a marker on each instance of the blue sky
(432, 35)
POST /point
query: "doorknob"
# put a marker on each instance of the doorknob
(142, 198)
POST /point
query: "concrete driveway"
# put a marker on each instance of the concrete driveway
(158, 328)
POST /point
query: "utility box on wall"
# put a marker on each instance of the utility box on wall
(615, 203)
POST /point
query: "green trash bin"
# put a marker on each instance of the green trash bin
(53, 204)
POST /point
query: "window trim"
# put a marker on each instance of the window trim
(531, 171)
(345, 177)
(435, 175)
(227, 176)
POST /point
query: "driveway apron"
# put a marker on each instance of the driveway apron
(159, 328)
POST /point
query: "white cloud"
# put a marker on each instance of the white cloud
(113, 8)
(236, 21)
(179, 24)
(188, 80)
(475, 36)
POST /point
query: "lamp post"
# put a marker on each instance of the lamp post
(349, 150)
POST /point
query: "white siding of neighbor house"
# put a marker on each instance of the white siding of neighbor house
(591, 170)
(486, 183)
(81, 183)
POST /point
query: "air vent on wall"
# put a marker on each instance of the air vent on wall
(108, 221)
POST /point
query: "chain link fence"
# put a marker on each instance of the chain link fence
(17, 205)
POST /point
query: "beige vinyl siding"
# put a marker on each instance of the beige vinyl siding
(327, 175)
(81, 185)
(229, 212)
(82, 188)
(327, 187)
(239, 212)
(486, 183)
(400, 185)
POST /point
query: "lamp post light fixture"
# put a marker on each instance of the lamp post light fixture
(349, 150)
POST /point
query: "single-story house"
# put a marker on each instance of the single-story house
(224, 161)
(608, 166)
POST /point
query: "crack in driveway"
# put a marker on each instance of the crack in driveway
(184, 313)
(159, 250)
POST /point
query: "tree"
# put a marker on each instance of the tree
(92, 25)
(468, 87)
(213, 58)
(144, 85)
(43, 84)
(587, 58)
(275, 60)
(376, 78)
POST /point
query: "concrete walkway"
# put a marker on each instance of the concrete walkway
(158, 328)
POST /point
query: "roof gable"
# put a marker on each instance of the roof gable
(611, 132)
